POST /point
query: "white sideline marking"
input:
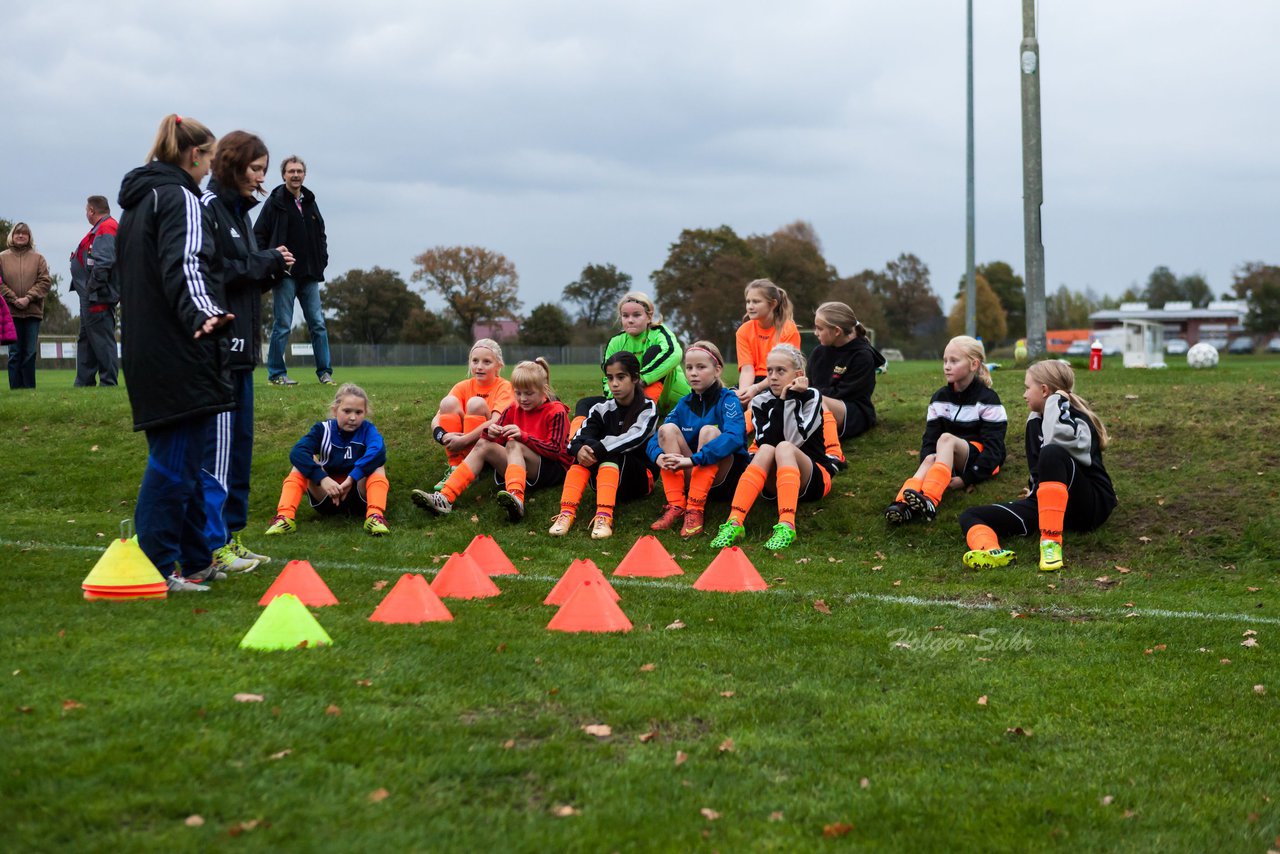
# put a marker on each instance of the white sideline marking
(884, 598)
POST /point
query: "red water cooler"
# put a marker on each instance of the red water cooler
(1095, 356)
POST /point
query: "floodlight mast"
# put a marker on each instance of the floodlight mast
(1032, 182)
(970, 279)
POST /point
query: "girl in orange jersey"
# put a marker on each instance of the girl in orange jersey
(472, 404)
(766, 324)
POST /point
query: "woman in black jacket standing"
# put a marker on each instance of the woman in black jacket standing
(239, 168)
(174, 346)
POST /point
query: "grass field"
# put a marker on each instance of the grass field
(879, 695)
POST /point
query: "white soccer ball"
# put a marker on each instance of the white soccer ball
(1202, 355)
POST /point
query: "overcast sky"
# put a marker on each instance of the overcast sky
(563, 133)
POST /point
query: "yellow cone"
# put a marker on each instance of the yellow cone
(123, 565)
(285, 624)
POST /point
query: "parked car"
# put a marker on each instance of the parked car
(1219, 344)
(1082, 347)
(1273, 346)
(1242, 346)
(1176, 347)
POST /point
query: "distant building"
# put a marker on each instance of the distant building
(1221, 320)
(498, 330)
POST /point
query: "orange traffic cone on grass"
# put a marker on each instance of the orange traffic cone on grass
(578, 572)
(300, 578)
(489, 556)
(648, 558)
(462, 578)
(411, 601)
(590, 609)
(731, 572)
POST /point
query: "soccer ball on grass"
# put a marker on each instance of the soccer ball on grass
(1202, 355)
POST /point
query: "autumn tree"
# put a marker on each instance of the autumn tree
(991, 319)
(58, 319)
(856, 292)
(1259, 284)
(424, 326)
(1162, 287)
(548, 325)
(368, 306)
(1010, 289)
(1196, 289)
(476, 283)
(596, 292)
(699, 288)
(911, 308)
(791, 258)
(1068, 309)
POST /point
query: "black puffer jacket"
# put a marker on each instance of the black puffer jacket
(247, 271)
(281, 224)
(170, 284)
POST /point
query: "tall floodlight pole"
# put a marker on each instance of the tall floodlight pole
(1032, 182)
(970, 280)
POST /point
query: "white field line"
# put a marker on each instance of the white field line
(884, 598)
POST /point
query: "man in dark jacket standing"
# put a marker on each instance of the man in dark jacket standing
(91, 266)
(291, 218)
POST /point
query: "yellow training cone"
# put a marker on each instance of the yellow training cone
(285, 624)
(123, 565)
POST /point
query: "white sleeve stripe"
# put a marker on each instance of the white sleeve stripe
(634, 435)
(966, 414)
(190, 261)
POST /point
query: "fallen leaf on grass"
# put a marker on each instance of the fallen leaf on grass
(837, 829)
(821, 606)
(598, 730)
(1106, 800)
(864, 783)
(1248, 633)
(474, 519)
(726, 694)
(333, 711)
(282, 754)
(877, 568)
(646, 737)
(71, 705)
(879, 555)
(676, 625)
(1144, 540)
(248, 698)
(242, 827)
(194, 821)
(898, 583)
(1129, 814)
(509, 744)
(364, 683)
(982, 701)
(1253, 589)
(1224, 661)
(565, 811)
(648, 668)
(378, 796)
(1017, 730)
(726, 746)
(681, 758)
(94, 448)
(709, 814)
(1249, 642)
(1123, 570)
(1259, 689)
(379, 585)
(25, 710)
(1130, 397)
(776, 815)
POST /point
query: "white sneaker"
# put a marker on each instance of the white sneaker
(433, 502)
(178, 584)
(226, 560)
(241, 550)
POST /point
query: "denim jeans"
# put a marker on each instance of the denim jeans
(22, 353)
(308, 296)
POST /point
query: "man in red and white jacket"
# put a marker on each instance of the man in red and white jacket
(91, 263)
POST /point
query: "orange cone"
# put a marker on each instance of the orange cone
(300, 578)
(462, 578)
(648, 558)
(411, 601)
(578, 572)
(590, 609)
(490, 557)
(731, 572)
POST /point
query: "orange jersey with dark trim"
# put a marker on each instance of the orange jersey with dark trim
(497, 395)
(755, 342)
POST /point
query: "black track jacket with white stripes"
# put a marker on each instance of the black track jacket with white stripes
(975, 415)
(612, 432)
(170, 283)
(796, 418)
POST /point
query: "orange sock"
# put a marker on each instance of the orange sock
(575, 481)
(376, 487)
(936, 480)
(607, 476)
(517, 477)
(673, 486)
(700, 480)
(747, 492)
(1051, 498)
(458, 482)
(746, 415)
(451, 422)
(653, 391)
(575, 424)
(295, 486)
(788, 481)
(909, 483)
(831, 436)
(982, 537)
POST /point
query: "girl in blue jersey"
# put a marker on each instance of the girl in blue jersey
(339, 465)
(701, 449)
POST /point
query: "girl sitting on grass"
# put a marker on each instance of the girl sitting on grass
(1067, 487)
(963, 439)
(701, 449)
(609, 449)
(340, 466)
(472, 404)
(766, 324)
(791, 458)
(527, 446)
(843, 367)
